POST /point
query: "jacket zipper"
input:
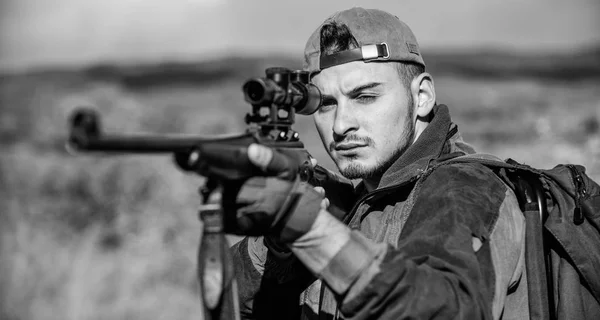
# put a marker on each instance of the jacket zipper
(371, 194)
(580, 192)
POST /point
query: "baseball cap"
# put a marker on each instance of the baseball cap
(381, 36)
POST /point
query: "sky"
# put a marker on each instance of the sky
(74, 32)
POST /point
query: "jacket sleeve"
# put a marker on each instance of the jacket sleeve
(269, 284)
(435, 272)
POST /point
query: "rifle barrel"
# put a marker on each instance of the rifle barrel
(135, 144)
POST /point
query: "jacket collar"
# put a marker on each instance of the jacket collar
(441, 137)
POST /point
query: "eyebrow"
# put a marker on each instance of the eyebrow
(363, 87)
(328, 99)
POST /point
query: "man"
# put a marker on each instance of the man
(416, 243)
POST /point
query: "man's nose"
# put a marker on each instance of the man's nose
(345, 120)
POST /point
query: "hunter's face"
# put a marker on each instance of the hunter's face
(366, 121)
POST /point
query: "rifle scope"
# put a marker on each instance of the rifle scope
(284, 88)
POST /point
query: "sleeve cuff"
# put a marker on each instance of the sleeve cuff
(348, 263)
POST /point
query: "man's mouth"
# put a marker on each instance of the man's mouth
(347, 146)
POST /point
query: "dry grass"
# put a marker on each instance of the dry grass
(102, 237)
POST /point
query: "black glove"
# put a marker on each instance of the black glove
(271, 206)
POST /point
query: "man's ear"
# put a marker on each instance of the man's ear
(423, 92)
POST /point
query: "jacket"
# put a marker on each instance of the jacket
(454, 247)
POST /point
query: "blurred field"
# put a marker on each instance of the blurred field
(116, 237)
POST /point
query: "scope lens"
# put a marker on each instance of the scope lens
(254, 91)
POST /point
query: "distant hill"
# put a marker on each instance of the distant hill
(578, 65)
(581, 65)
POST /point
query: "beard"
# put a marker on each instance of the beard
(359, 171)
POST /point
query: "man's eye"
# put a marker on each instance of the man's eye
(326, 106)
(365, 98)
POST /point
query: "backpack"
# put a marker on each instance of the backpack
(562, 237)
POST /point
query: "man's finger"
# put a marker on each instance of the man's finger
(271, 162)
(260, 156)
(313, 161)
(320, 190)
(325, 201)
(325, 204)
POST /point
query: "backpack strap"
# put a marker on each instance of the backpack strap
(538, 263)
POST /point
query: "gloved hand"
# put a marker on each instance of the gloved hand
(271, 206)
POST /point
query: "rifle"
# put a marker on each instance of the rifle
(275, 100)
